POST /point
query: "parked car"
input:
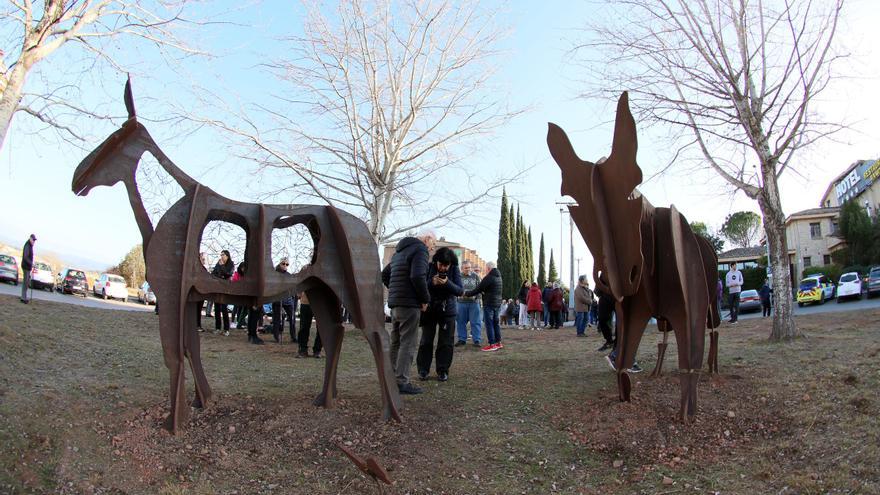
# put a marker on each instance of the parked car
(145, 294)
(73, 281)
(41, 277)
(110, 286)
(872, 283)
(849, 286)
(8, 269)
(815, 288)
(749, 300)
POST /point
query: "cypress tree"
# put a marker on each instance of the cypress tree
(504, 258)
(542, 275)
(531, 257)
(516, 266)
(523, 247)
(552, 276)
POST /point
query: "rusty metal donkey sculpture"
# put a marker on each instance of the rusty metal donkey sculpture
(646, 258)
(344, 268)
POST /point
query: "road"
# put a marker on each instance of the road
(828, 307)
(91, 302)
(133, 305)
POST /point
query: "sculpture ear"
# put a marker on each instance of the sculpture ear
(576, 173)
(129, 99)
(625, 146)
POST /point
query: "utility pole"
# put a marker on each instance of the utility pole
(563, 208)
(561, 241)
(571, 267)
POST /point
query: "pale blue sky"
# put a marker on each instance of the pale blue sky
(35, 173)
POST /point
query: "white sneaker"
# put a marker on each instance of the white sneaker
(226, 333)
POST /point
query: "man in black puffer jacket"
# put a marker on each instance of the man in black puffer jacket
(490, 287)
(407, 283)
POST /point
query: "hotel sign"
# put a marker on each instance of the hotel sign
(857, 180)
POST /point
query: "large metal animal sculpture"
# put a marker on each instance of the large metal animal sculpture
(344, 269)
(646, 258)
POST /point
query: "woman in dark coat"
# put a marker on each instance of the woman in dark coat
(223, 269)
(557, 305)
(522, 299)
(444, 284)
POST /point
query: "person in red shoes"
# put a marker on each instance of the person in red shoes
(490, 287)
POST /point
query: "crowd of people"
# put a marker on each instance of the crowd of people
(430, 289)
(254, 318)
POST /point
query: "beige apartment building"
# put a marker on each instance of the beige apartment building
(812, 234)
(462, 252)
(811, 237)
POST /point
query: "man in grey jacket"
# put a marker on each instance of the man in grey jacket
(406, 278)
(734, 281)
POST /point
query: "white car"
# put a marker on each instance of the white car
(110, 286)
(850, 285)
(41, 277)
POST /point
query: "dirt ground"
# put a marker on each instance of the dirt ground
(83, 392)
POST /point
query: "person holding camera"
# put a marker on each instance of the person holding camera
(444, 285)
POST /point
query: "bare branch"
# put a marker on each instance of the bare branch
(380, 104)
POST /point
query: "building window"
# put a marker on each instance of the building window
(808, 261)
(826, 259)
(834, 227)
(816, 230)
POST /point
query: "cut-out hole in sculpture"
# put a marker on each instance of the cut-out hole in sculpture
(219, 235)
(159, 191)
(294, 243)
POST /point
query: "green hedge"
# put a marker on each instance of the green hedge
(861, 269)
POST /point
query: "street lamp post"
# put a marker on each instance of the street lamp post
(562, 211)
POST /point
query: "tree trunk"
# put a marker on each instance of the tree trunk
(9, 101)
(784, 327)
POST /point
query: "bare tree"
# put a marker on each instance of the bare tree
(378, 101)
(31, 32)
(738, 82)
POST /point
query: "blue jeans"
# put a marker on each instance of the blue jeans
(580, 321)
(469, 311)
(546, 315)
(493, 329)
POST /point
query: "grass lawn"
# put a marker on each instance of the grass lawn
(83, 392)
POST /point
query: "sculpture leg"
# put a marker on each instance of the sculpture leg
(661, 349)
(713, 351)
(391, 403)
(632, 316)
(328, 319)
(691, 343)
(684, 365)
(192, 346)
(173, 349)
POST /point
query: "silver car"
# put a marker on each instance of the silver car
(8, 269)
(749, 300)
